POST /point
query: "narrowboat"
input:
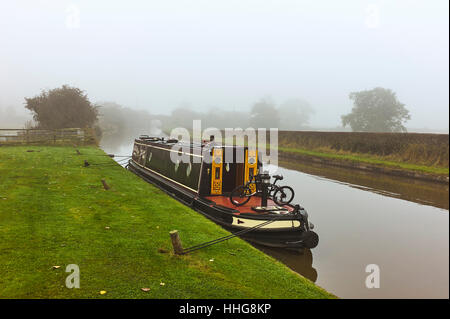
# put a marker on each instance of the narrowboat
(204, 178)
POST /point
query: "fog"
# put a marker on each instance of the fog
(227, 55)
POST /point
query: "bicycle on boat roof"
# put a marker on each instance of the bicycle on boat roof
(281, 195)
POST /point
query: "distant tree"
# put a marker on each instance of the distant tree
(111, 118)
(221, 119)
(264, 114)
(63, 107)
(11, 117)
(183, 116)
(294, 114)
(121, 125)
(376, 110)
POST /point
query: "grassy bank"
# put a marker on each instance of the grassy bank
(431, 150)
(364, 158)
(411, 152)
(55, 212)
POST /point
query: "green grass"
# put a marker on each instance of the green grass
(369, 160)
(54, 211)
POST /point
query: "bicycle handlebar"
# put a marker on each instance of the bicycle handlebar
(257, 177)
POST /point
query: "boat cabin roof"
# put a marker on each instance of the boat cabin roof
(167, 142)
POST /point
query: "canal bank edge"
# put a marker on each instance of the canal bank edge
(57, 210)
(288, 154)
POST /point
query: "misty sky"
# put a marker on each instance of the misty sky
(156, 55)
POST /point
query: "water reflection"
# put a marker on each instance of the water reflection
(361, 225)
(117, 149)
(299, 261)
(426, 193)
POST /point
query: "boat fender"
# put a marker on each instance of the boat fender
(310, 239)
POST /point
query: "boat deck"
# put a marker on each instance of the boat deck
(247, 208)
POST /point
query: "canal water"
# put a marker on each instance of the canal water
(365, 219)
(400, 225)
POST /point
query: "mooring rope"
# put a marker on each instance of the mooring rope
(221, 239)
(120, 162)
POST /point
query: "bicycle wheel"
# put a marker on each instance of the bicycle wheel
(283, 195)
(240, 195)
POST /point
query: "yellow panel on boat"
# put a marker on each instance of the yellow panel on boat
(216, 176)
(251, 167)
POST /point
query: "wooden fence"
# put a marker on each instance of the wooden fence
(67, 136)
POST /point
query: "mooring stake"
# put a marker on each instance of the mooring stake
(176, 242)
(105, 186)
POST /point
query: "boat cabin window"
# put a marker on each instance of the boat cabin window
(250, 174)
(217, 170)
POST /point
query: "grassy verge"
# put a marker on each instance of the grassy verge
(369, 160)
(55, 212)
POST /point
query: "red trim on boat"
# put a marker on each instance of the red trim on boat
(247, 208)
